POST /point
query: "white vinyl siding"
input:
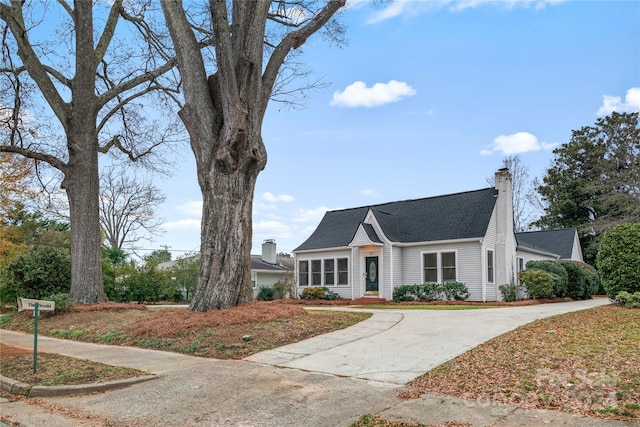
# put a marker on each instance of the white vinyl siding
(469, 267)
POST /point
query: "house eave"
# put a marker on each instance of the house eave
(536, 251)
(338, 248)
(440, 242)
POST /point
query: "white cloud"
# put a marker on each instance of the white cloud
(192, 207)
(369, 192)
(358, 94)
(270, 197)
(520, 142)
(309, 215)
(407, 8)
(183, 224)
(272, 229)
(631, 103)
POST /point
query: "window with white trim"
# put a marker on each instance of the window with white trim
(329, 272)
(519, 266)
(303, 273)
(316, 272)
(490, 276)
(343, 271)
(439, 267)
(431, 267)
(324, 272)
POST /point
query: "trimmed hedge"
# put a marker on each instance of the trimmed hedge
(619, 259)
(539, 283)
(431, 292)
(581, 283)
(561, 283)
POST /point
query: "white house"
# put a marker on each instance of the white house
(269, 268)
(465, 237)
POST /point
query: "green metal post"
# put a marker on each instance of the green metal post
(35, 339)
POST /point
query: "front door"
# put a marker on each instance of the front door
(372, 275)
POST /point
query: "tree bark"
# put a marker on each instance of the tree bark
(223, 114)
(81, 185)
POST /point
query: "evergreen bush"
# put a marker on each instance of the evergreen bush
(619, 259)
(539, 284)
(561, 281)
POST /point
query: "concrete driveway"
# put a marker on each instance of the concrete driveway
(396, 346)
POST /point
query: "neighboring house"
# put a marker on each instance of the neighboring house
(465, 237)
(266, 269)
(269, 268)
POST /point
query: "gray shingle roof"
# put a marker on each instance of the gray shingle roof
(448, 217)
(558, 242)
(258, 264)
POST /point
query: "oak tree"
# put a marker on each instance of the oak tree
(73, 85)
(223, 112)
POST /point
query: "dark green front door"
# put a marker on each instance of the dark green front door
(372, 274)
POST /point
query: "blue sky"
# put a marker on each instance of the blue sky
(426, 99)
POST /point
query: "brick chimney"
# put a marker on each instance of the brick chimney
(505, 237)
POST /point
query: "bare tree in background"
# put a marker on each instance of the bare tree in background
(127, 208)
(74, 85)
(524, 208)
(223, 113)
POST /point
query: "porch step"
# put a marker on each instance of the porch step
(368, 300)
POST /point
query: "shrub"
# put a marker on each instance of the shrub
(619, 259)
(40, 272)
(626, 299)
(283, 290)
(509, 292)
(431, 292)
(455, 291)
(561, 282)
(403, 293)
(62, 300)
(266, 294)
(581, 284)
(539, 284)
(319, 293)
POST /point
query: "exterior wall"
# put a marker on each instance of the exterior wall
(468, 264)
(397, 279)
(491, 292)
(266, 279)
(343, 290)
(576, 251)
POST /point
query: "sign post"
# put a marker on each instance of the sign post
(36, 306)
(36, 314)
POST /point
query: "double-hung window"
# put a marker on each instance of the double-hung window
(329, 272)
(439, 267)
(316, 272)
(343, 271)
(431, 268)
(303, 273)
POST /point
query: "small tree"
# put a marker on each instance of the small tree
(41, 272)
(619, 259)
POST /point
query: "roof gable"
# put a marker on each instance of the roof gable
(559, 241)
(448, 217)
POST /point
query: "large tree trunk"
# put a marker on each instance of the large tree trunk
(225, 274)
(82, 187)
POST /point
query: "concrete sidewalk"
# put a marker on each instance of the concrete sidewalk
(192, 391)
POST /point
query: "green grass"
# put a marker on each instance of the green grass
(428, 307)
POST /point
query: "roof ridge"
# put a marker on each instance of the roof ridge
(410, 200)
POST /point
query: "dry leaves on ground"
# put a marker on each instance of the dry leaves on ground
(584, 362)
